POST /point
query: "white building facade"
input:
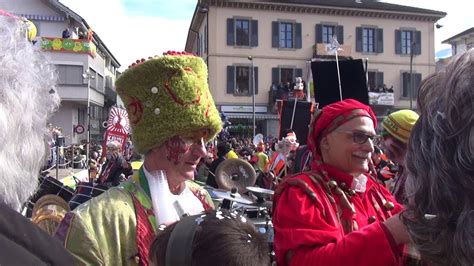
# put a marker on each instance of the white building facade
(73, 57)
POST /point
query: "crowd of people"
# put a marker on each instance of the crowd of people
(333, 210)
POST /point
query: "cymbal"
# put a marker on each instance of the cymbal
(235, 173)
(259, 190)
(235, 197)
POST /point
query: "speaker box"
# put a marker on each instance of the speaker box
(326, 85)
(301, 121)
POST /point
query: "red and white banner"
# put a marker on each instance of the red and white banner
(118, 128)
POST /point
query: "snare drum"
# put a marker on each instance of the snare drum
(86, 191)
(49, 186)
(265, 227)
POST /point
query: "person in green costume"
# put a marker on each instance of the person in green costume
(172, 115)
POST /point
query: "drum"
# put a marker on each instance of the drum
(265, 227)
(86, 191)
(49, 186)
(48, 213)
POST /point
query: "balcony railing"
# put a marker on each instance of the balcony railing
(68, 45)
(382, 98)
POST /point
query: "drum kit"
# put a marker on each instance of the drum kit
(53, 200)
(237, 192)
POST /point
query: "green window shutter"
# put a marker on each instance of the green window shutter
(398, 42)
(298, 40)
(359, 39)
(379, 40)
(230, 32)
(230, 79)
(417, 82)
(254, 33)
(256, 79)
(298, 72)
(340, 34)
(275, 75)
(417, 49)
(319, 33)
(379, 77)
(275, 43)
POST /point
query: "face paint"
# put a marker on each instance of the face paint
(176, 147)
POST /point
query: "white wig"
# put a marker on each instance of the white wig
(28, 97)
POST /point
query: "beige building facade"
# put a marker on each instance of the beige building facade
(282, 37)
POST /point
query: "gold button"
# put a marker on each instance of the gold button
(372, 219)
(389, 205)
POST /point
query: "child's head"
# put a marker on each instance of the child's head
(215, 238)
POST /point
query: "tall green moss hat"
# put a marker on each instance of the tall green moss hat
(167, 96)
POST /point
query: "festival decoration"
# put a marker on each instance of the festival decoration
(118, 127)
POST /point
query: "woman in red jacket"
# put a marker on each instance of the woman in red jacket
(337, 214)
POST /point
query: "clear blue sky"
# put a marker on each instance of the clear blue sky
(169, 9)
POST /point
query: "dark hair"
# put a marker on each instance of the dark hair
(440, 161)
(221, 238)
(223, 149)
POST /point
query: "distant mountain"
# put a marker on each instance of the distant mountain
(443, 53)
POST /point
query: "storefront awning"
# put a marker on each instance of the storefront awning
(250, 116)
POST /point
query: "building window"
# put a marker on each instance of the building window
(283, 75)
(406, 40)
(81, 116)
(328, 32)
(239, 80)
(70, 74)
(93, 79)
(241, 32)
(368, 40)
(287, 75)
(375, 81)
(325, 32)
(406, 80)
(242, 81)
(100, 82)
(286, 35)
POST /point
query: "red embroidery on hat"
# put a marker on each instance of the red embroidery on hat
(175, 98)
(135, 110)
(208, 108)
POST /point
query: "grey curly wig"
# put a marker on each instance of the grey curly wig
(440, 161)
(27, 100)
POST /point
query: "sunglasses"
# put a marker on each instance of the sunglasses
(360, 137)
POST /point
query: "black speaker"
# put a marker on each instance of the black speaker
(301, 121)
(326, 85)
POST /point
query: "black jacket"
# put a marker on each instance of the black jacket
(24, 243)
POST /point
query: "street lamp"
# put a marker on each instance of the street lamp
(253, 92)
(87, 75)
(412, 46)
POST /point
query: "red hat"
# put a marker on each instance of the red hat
(332, 116)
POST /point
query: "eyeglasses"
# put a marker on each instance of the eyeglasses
(360, 137)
